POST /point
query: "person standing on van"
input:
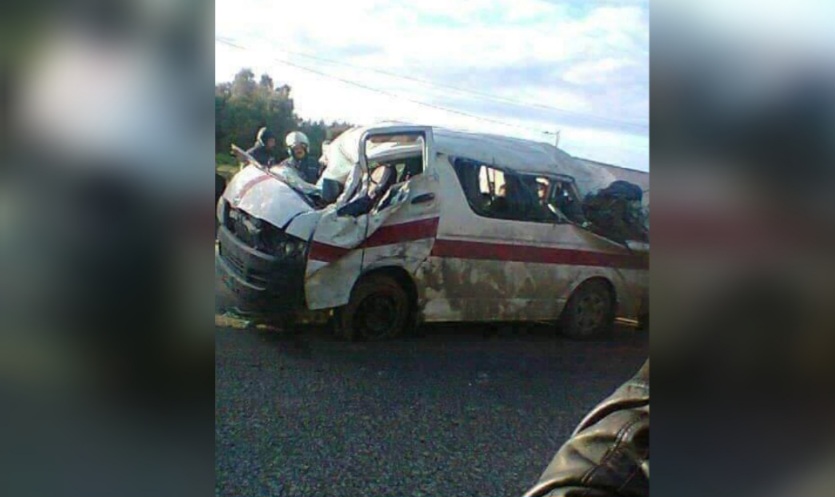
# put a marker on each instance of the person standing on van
(300, 160)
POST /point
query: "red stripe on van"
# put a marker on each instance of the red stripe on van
(543, 255)
(405, 232)
(326, 253)
(385, 235)
(249, 185)
(427, 228)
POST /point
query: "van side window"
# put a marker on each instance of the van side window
(562, 195)
(492, 192)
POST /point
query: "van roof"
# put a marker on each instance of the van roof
(515, 154)
(524, 156)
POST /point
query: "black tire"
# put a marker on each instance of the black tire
(589, 312)
(379, 309)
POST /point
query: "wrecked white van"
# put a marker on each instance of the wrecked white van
(418, 224)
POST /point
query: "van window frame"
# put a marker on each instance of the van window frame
(558, 217)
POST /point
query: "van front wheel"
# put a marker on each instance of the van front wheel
(379, 309)
(590, 312)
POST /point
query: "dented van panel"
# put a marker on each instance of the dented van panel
(303, 225)
(459, 290)
(341, 250)
(329, 285)
(255, 192)
(456, 289)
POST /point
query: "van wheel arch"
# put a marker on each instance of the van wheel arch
(591, 309)
(390, 280)
(400, 275)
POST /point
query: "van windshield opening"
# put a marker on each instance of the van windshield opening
(393, 160)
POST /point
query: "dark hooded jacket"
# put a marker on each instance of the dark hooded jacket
(608, 454)
(259, 151)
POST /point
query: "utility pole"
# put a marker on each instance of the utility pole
(556, 137)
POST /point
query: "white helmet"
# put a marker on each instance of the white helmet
(297, 138)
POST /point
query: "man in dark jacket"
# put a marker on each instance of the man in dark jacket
(262, 151)
(608, 454)
(298, 146)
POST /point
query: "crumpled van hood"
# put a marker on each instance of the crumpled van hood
(264, 197)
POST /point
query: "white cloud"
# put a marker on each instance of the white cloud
(594, 71)
(603, 146)
(531, 50)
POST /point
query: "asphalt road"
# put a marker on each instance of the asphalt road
(456, 412)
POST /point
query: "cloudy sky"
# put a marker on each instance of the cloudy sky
(514, 67)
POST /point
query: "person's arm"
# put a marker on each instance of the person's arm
(608, 453)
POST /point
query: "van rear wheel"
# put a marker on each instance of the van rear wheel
(379, 309)
(590, 312)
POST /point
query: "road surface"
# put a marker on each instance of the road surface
(456, 412)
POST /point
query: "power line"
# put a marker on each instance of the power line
(393, 95)
(483, 95)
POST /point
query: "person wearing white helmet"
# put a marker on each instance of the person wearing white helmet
(298, 146)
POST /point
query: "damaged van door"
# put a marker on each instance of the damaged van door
(381, 190)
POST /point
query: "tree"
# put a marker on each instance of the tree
(244, 84)
(266, 82)
(242, 106)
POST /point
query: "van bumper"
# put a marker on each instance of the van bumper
(259, 282)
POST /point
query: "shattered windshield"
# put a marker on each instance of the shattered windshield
(292, 178)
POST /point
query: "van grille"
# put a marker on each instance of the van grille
(233, 261)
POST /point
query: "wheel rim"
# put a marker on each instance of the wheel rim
(377, 316)
(590, 313)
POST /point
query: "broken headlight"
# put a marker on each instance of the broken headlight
(293, 248)
(276, 242)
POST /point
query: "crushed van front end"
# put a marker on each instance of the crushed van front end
(263, 266)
